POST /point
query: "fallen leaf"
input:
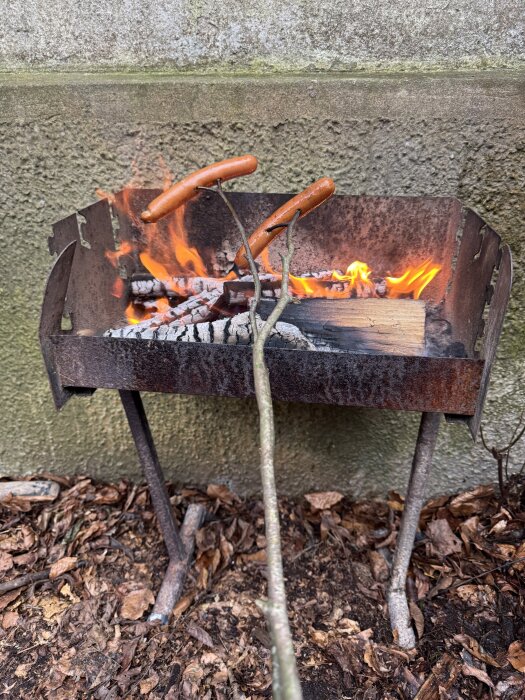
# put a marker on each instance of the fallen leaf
(8, 598)
(136, 603)
(22, 670)
(259, 557)
(183, 604)
(378, 566)
(516, 656)
(52, 607)
(476, 649)
(62, 566)
(417, 616)
(6, 562)
(471, 502)
(147, 685)
(10, 619)
(323, 500)
(199, 634)
(319, 637)
(222, 493)
(478, 673)
(107, 495)
(442, 540)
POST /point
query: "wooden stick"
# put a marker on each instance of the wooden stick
(173, 583)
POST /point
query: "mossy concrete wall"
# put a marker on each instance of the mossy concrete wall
(250, 35)
(62, 136)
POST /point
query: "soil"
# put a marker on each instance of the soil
(81, 632)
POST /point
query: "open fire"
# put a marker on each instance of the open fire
(178, 275)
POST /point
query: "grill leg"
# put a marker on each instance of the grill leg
(180, 549)
(397, 599)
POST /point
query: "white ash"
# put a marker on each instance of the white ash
(227, 331)
(184, 286)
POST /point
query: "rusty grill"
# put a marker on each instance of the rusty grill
(469, 296)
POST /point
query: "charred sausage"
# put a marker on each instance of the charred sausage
(185, 189)
(306, 201)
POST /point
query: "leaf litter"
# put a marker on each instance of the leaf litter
(82, 630)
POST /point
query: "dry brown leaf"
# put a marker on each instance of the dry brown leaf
(183, 604)
(471, 502)
(516, 656)
(22, 670)
(319, 637)
(147, 685)
(417, 616)
(52, 607)
(323, 500)
(442, 539)
(259, 557)
(8, 598)
(10, 619)
(62, 566)
(107, 495)
(478, 673)
(6, 562)
(475, 648)
(200, 635)
(136, 603)
(378, 566)
(222, 493)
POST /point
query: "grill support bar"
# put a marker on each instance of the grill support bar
(397, 598)
(179, 548)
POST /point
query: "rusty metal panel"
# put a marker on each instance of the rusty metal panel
(478, 256)
(51, 317)
(381, 381)
(97, 305)
(387, 232)
(498, 306)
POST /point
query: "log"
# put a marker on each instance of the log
(173, 583)
(145, 286)
(382, 326)
(195, 309)
(29, 490)
(235, 330)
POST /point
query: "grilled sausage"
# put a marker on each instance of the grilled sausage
(306, 201)
(185, 189)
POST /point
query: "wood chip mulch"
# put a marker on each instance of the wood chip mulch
(81, 631)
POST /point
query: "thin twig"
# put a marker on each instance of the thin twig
(25, 580)
(253, 267)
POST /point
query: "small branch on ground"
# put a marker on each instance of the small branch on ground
(502, 454)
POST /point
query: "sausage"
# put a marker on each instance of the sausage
(186, 188)
(306, 201)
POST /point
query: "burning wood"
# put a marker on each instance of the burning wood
(227, 331)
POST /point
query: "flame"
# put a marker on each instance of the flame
(412, 281)
(165, 252)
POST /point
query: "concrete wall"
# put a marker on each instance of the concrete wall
(61, 136)
(250, 35)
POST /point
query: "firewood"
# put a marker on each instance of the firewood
(195, 309)
(149, 287)
(29, 490)
(227, 331)
(385, 326)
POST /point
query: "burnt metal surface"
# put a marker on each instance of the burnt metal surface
(347, 379)
(387, 233)
(149, 460)
(479, 255)
(497, 308)
(51, 317)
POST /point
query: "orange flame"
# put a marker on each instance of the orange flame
(166, 253)
(412, 281)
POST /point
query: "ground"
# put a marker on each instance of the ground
(81, 631)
